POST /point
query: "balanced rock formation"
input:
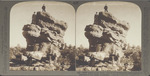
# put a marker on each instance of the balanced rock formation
(44, 36)
(106, 36)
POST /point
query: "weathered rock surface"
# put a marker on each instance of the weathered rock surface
(106, 37)
(44, 36)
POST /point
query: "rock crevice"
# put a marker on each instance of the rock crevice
(44, 36)
(106, 37)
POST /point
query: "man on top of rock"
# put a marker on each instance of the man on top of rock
(34, 18)
(43, 8)
(96, 18)
(106, 8)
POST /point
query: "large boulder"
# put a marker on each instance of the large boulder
(107, 37)
(107, 29)
(44, 36)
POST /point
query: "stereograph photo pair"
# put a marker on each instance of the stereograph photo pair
(53, 36)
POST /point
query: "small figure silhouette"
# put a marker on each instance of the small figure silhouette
(106, 8)
(43, 8)
(34, 18)
(96, 13)
(96, 18)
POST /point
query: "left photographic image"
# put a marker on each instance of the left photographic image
(42, 36)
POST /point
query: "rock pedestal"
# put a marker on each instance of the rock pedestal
(106, 36)
(44, 36)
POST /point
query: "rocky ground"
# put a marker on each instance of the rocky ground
(39, 67)
(104, 67)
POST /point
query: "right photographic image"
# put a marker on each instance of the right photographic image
(108, 36)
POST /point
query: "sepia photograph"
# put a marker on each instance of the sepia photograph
(51, 36)
(75, 38)
(108, 36)
(42, 36)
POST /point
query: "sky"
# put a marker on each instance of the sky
(123, 11)
(21, 14)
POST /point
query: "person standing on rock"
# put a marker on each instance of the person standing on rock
(96, 18)
(43, 8)
(106, 8)
(33, 18)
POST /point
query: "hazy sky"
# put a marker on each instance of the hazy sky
(21, 14)
(128, 12)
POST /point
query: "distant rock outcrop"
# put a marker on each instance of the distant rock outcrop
(44, 36)
(106, 37)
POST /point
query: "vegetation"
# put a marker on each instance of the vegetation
(70, 53)
(132, 58)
